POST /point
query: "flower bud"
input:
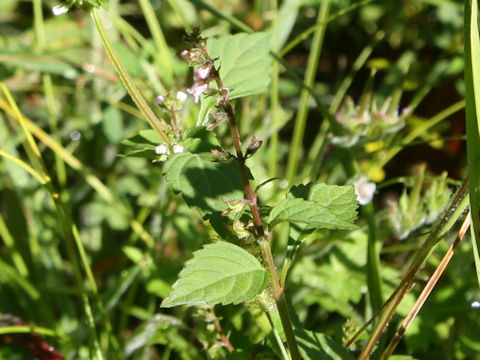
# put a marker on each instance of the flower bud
(253, 146)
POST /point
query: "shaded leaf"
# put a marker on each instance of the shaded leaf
(202, 182)
(245, 63)
(219, 273)
(112, 124)
(316, 346)
(199, 139)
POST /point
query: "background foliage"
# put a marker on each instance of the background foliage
(137, 232)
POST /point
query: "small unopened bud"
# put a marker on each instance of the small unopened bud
(234, 206)
(193, 57)
(220, 155)
(216, 119)
(253, 146)
(240, 229)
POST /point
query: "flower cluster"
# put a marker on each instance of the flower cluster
(202, 80)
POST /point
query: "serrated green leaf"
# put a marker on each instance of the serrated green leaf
(219, 273)
(245, 63)
(340, 200)
(318, 205)
(204, 183)
(307, 212)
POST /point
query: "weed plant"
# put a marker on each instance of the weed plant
(239, 180)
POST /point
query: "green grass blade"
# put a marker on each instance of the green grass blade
(159, 39)
(472, 87)
(301, 118)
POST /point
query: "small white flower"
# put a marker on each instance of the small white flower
(475, 305)
(203, 71)
(181, 96)
(196, 90)
(364, 190)
(161, 149)
(59, 9)
(160, 99)
(178, 149)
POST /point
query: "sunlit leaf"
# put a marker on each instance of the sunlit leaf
(219, 273)
(245, 63)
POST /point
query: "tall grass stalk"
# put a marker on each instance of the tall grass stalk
(71, 236)
(302, 111)
(472, 90)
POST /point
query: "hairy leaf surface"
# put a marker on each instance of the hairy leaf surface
(318, 205)
(245, 63)
(204, 183)
(219, 273)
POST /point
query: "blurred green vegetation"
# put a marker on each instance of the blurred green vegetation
(137, 233)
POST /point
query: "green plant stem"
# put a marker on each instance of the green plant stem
(301, 118)
(134, 92)
(285, 318)
(374, 280)
(262, 236)
(277, 337)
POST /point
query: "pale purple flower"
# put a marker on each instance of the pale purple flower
(197, 89)
(203, 72)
